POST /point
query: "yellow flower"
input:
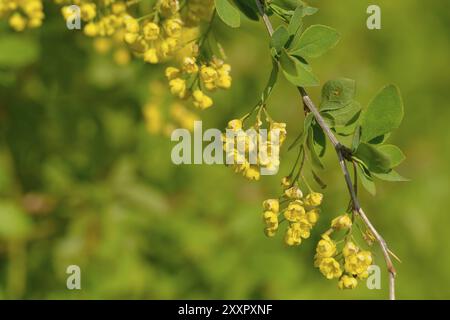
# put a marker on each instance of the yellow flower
(201, 100)
(357, 264)
(341, 222)
(293, 237)
(293, 193)
(88, 11)
(281, 128)
(271, 205)
(151, 31)
(235, 125)
(349, 249)
(178, 87)
(252, 173)
(173, 27)
(286, 182)
(129, 37)
(330, 268)
(347, 282)
(91, 29)
(270, 232)
(314, 199)
(172, 73)
(17, 22)
(151, 56)
(294, 211)
(208, 74)
(169, 7)
(131, 25)
(313, 216)
(190, 65)
(326, 247)
(271, 219)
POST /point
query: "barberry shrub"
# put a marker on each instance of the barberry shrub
(180, 34)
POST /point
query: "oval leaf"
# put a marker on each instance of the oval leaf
(229, 14)
(395, 155)
(384, 114)
(375, 160)
(315, 41)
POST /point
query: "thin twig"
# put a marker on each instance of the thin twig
(343, 155)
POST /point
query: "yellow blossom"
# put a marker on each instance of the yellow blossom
(178, 87)
(347, 282)
(151, 56)
(294, 211)
(172, 73)
(326, 247)
(349, 249)
(341, 222)
(201, 100)
(151, 31)
(314, 199)
(330, 268)
(271, 205)
(313, 216)
(293, 193)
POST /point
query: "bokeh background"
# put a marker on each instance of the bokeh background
(83, 181)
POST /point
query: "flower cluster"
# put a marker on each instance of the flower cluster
(169, 31)
(194, 77)
(301, 214)
(349, 264)
(22, 14)
(255, 149)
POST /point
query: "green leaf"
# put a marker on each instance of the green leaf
(296, 21)
(301, 139)
(384, 114)
(229, 14)
(375, 160)
(297, 72)
(320, 141)
(288, 63)
(337, 93)
(315, 160)
(392, 176)
(356, 139)
(344, 116)
(248, 8)
(309, 11)
(366, 179)
(272, 81)
(279, 38)
(17, 51)
(315, 41)
(395, 155)
(380, 139)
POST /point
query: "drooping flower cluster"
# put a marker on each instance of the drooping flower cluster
(194, 77)
(254, 150)
(349, 264)
(169, 31)
(301, 214)
(22, 14)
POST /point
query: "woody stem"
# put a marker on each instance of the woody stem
(343, 154)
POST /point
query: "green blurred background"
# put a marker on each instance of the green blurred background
(83, 182)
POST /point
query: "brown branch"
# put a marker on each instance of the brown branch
(343, 154)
